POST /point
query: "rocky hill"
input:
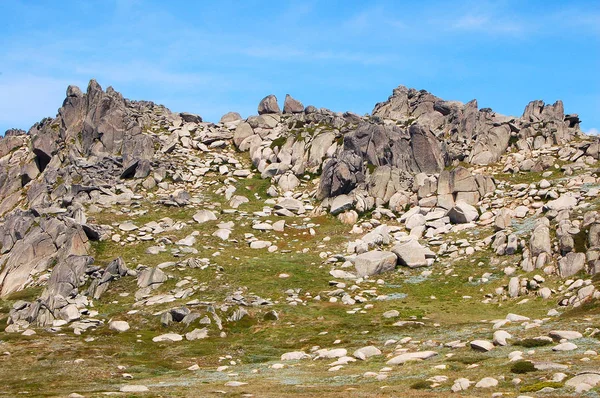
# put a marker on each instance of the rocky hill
(427, 248)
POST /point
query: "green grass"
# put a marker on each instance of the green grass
(541, 385)
(531, 343)
(521, 367)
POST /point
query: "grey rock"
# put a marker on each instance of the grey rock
(151, 276)
(564, 202)
(591, 378)
(268, 105)
(462, 213)
(230, 117)
(411, 356)
(242, 132)
(412, 254)
(292, 105)
(340, 204)
(481, 345)
(197, 334)
(203, 216)
(540, 239)
(571, 264)
(190, 117)
(374, 262)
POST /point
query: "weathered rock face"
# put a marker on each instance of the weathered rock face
(95, 139)
(413, 132)
(104, 150)
(341, 175)
(30, 245)
(403, 193)
(97, 123)
(57, 302)
(412, 254)
(395, 153)
(478, 135)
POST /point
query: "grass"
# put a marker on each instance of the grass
(531, 343)
(521, 367)
(541, 385)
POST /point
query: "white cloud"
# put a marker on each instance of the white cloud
(286, 53)
(471, 22)
(488, 23)
(593, 131)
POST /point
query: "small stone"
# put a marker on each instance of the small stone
(134, 388)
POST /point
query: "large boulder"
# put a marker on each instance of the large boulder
(425, 150)
(230, 117)
(491, 145)
(374, 262)
(242, 132)
(340, 175)
(571, 264)
(461, 180)
(462, 213)
(292, 105)
(411, 356)
(594, 235)
(540, 238)
(564, 202)
(385, 181)
(190, 117)
(412, 254)
(268, 105)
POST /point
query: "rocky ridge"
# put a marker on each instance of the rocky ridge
(421, 183)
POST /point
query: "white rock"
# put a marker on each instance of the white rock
(235, 384)
(294, 356)
(167, 337)
(565, 334)
(197, 334)
(203, 216)
(500, 337)
(461, 384)
(328, 354)
(118, 326)
(134, 388)
(564, 347)
(411, 356)
(487, 382)
(481, 345)
(589, 378)
(366, 352)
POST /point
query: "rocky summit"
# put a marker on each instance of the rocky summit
(430, 248)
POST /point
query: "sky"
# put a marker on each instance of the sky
(211, 57)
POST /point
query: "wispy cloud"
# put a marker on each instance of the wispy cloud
(593, 131)
(493, 24)
(286, 53)
(373, 17)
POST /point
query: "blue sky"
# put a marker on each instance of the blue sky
(211, 57)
